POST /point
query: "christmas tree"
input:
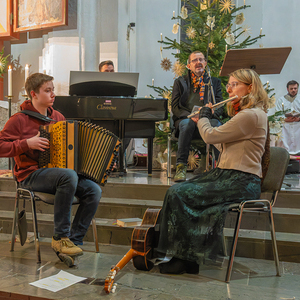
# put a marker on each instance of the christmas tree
(209, 26)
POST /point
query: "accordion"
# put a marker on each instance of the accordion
(86, 148)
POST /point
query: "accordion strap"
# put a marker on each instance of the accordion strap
(37, 115)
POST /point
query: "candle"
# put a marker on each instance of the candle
(226, 48)
(173, 13)
(267, 84)
(244, 2)
(9, 81)
(260, 31)
(161, 36)
(26, 71)
(153, 81)
(282, 106)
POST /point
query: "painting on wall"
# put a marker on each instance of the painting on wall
(39, 14)
(6, 28)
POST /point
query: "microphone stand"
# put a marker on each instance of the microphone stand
(211, 85)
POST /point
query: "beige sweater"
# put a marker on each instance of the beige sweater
(242, 140)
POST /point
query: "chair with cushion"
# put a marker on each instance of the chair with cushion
(279, 159)
(33, 196)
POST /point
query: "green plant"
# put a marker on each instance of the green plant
(3, 62)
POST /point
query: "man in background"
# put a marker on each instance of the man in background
(106, 66)
(291, 127)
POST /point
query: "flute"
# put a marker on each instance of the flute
(214, 106)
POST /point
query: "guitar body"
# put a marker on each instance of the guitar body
(144, 238)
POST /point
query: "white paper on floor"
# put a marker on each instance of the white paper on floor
(57, 282)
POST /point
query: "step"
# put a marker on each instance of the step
(258, 244)
(108, 231)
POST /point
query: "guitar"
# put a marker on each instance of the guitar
(142, 241)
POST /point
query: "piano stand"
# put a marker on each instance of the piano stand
(122, 169)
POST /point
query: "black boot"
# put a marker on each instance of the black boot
(179, 266)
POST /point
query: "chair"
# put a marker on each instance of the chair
(33, 196)
(279, 160)
(174, 138)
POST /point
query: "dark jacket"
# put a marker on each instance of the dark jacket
(16, 131)
(181, 92)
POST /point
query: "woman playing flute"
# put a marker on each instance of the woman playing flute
(193, 213)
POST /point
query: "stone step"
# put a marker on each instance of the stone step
(112, 207)
(112, 190)
(257, 244)
(251, 243)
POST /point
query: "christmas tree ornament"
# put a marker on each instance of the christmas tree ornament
(193, 161)
(184, 12)
(230, 39)
(271, 102)
(239, 19)
(246, 30)
(178, 68)
(167, 94)
(191, 32)
(175, 28)
(226, 6)
(211, 45)
(210, 22)
(166, 64)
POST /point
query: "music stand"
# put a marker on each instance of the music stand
(262, 60)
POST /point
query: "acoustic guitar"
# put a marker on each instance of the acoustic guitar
(143, 240)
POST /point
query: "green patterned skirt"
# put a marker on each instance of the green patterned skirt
(193, 214)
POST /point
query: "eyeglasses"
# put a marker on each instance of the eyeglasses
(231, 85)
(198, 59)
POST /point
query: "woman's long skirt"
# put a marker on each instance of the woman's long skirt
(193, 214)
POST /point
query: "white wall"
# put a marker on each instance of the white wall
(142, 52)
(278, 20)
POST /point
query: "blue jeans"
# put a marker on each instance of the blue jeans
(188, 130)
(64, 184)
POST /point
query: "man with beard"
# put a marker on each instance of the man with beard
(291, 126)
(188, 91)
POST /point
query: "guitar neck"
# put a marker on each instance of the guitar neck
(109, 281)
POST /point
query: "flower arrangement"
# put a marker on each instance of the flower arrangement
(3, 62)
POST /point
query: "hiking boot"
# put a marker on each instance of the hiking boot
(180, 173)
(65, 246)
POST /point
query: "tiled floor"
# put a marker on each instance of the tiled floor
(251, 279)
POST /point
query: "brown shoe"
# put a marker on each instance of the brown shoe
(65, 246)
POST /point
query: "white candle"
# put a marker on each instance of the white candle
(244, 2)
(26, 71)
(226, 48)
(260, 31)
(267, 84)
(161, 36)
(9, 81)
(173, 13)
(153, 81)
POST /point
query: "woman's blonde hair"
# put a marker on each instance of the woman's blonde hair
(257, 97)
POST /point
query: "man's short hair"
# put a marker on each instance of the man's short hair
(35, 81)
(105, 62)
(194, 52)
(292, 82)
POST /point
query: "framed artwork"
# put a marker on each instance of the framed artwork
(39, 14)
(6, 26)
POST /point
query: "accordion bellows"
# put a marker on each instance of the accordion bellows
(86, 148)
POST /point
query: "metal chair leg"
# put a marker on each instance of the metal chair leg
(35, 229)
(274, 244)
(233, 247)
(169, 162)
(14, 224)
(95, 235)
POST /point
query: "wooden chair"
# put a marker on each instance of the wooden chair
(33, 196)
(278, 164)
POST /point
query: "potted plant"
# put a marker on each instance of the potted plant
(3, 66)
